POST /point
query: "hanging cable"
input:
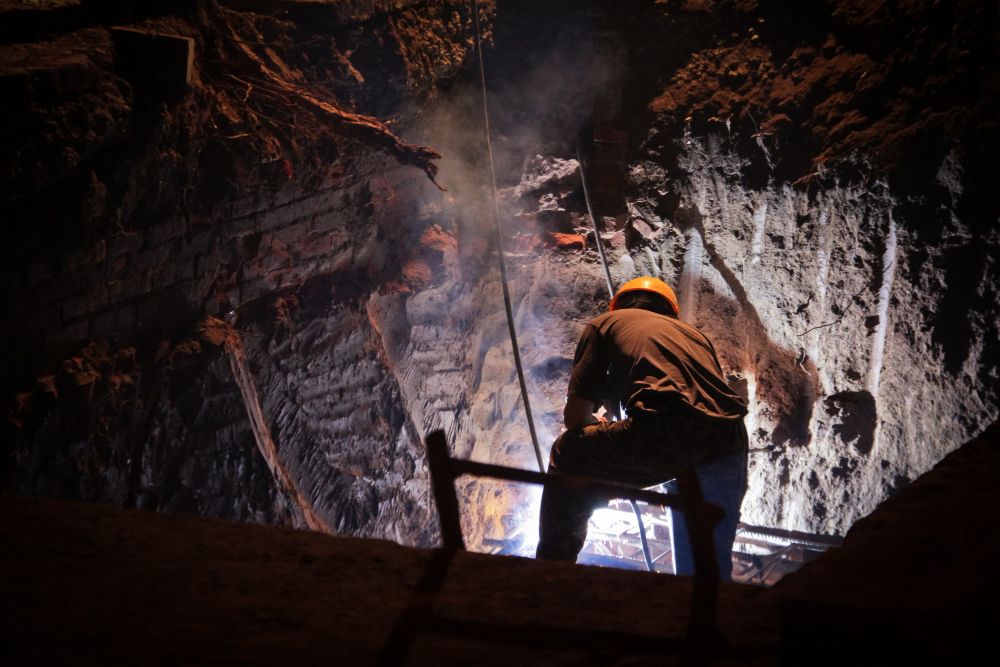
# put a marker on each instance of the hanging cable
(611, 294)
(593, 222)
(500, 251)
(503, 274)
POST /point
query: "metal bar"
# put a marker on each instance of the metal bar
(806, 539)
(585, 485)
(701, 519)
(593, 222)
(522, 382)
(642, 536)
(443, 483)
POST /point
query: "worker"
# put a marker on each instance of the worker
(681, 415)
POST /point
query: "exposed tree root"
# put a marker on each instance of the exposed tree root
(219, 333)
(363, 128)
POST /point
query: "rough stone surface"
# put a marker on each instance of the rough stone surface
(816, 183)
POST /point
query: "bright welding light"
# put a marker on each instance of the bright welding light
(610, 521)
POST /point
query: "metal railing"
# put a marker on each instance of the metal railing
(701, 518)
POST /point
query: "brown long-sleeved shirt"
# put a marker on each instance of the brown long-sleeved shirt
(654, 362)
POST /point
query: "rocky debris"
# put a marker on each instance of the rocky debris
(434, 39)
(566, 242)
(416, 274)
(864, 81)
(642, 224)
(550, 174)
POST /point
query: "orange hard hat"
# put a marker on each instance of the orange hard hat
(648, 284)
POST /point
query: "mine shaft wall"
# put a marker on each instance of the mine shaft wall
(852, 302)
(181, 440)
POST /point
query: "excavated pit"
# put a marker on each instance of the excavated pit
(815, 182)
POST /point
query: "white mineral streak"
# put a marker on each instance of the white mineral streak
(884, 294)
(824, 245)
(822, 261)
(751, 418)
(650, 266)
(691, 275)
(823, 248)
(759, 220)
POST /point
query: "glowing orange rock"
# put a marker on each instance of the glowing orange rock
(568, 242)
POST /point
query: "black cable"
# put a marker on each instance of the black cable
(500, 251)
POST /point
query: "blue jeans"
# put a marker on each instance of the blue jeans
(644, 452)
(723, 483)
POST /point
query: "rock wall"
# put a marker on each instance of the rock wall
(815, 182)
(190, 203)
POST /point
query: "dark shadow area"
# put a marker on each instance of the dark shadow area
(855, 417)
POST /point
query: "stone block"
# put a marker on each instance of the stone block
(121, 290)
(73, 331)
(243, 226)
(99, 251)
(282, 216)
(119, 266)
(124, 244)
(294, 234)
(84, 258)
(165, 232)
(247, 207)
(112, 320)
(153, 259)
(289, 194)
(62, 287)
(567, 242)
(212, 262)
(181, 269)
(86, 303)
(318, 244)
(197, 243)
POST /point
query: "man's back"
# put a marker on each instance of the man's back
(655, 361)
(682, 415)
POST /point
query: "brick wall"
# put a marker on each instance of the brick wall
(122, 285)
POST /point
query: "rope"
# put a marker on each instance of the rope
(593, 222)
(611, 294)
(500, 251)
